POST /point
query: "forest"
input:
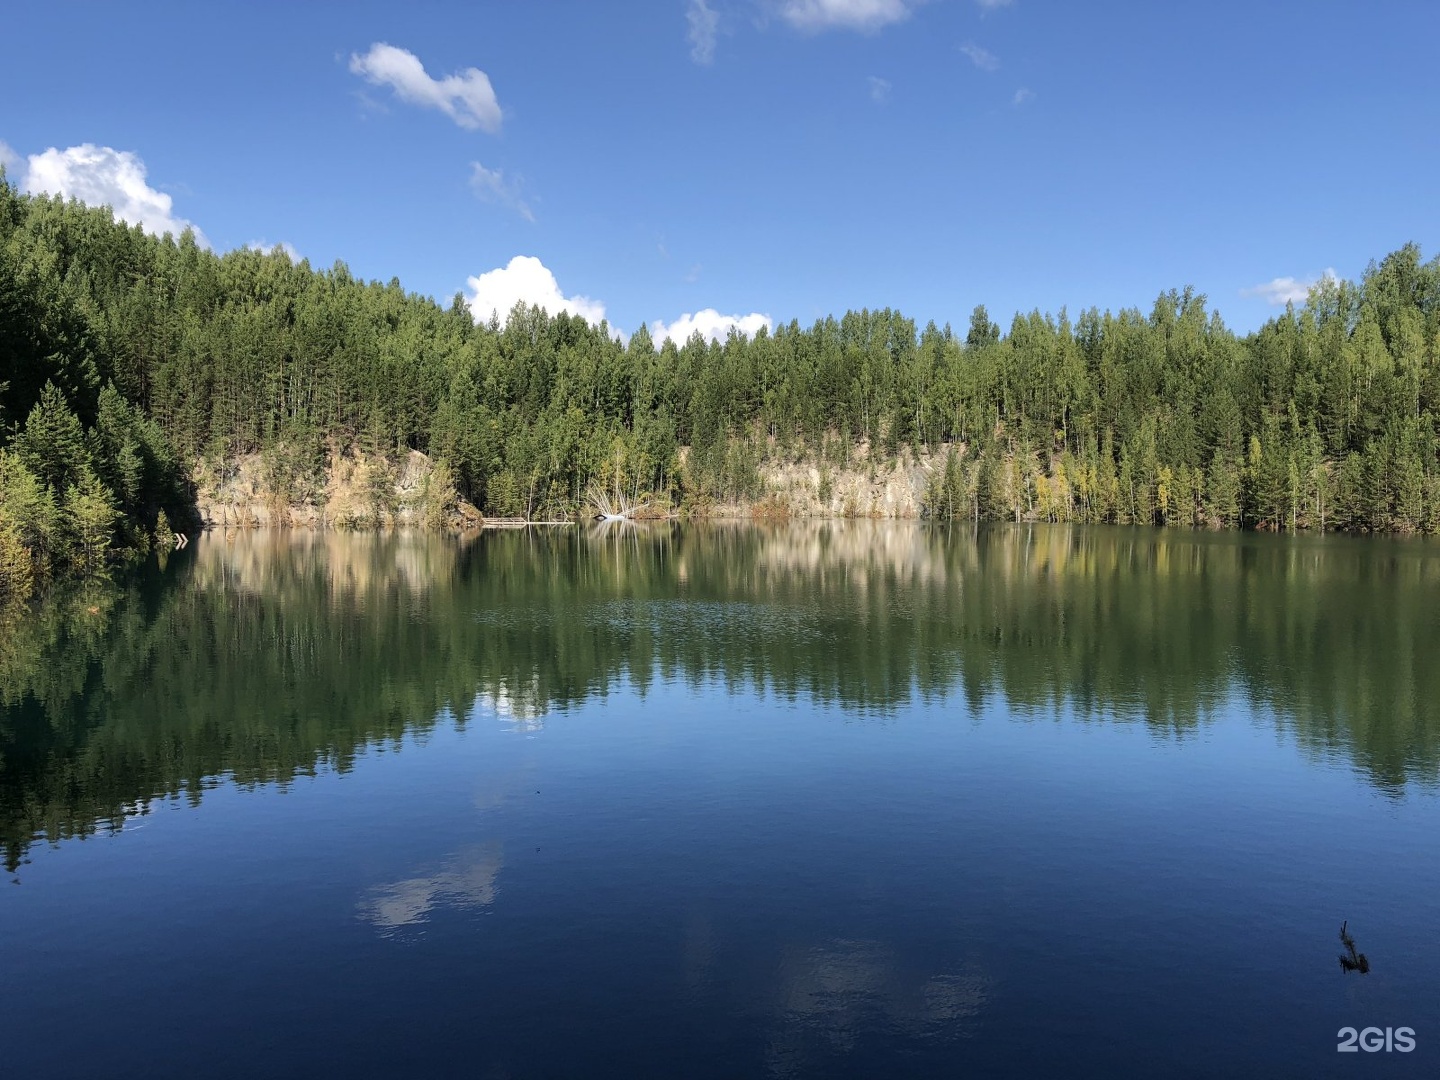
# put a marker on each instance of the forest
(129, 363)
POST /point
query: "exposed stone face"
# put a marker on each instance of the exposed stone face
(374, 492)
(866, 488)
(893, 491)
(358, 492)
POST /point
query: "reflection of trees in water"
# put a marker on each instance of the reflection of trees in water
(258, 656)
(347, 565)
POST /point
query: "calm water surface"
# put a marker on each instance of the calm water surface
(722, 802)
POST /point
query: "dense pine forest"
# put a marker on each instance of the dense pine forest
(129, 363)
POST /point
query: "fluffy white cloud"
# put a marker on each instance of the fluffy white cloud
(710, 323)
(704, 21)
(526, 278)
(99, 175)
(490, 185)
(1023, 95)
(1287, 290)
(266, 247)
(816, 15)
(466, 97)
(9, 160)
(879, 89)
(983, 59)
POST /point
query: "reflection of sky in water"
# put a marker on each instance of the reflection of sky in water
(467, 882)
(828, 994)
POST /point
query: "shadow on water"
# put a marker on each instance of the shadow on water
(254, 658)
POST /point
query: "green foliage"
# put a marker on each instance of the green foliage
(377, 482)
(138, 358)
(437, 496)
(28, 510)
(89, 515)
(17, 571)
(164, 533)
(292, 473)
(52, 443)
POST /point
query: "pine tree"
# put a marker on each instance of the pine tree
(52, 443)
(90, 516)
(17, 569)
(28, 507)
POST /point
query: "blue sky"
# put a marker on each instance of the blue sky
(776, 158)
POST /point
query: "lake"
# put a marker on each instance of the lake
(851, 799)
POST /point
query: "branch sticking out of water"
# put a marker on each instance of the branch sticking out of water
(1355, 961)
(612, 508)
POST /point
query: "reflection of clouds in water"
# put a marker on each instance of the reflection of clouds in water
(521, 706)
(466, 881)
(829, 993)
(829, 988)
(130, 813)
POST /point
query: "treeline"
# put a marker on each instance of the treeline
(84, 472)
(166, 355)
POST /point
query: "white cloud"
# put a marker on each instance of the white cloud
(1023, 95)
(1288, 290)
(711, 324)
(993, 5)
(526, 279)
(9, 160)
(879, 89)
(865, 15)
(466, 97)
(100, 175)
(983, 59)
(704, 22)
(266, 247)
(490, 185)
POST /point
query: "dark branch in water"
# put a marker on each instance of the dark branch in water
(1355, 961)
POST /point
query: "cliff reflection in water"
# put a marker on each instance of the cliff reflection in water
(257, 657)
